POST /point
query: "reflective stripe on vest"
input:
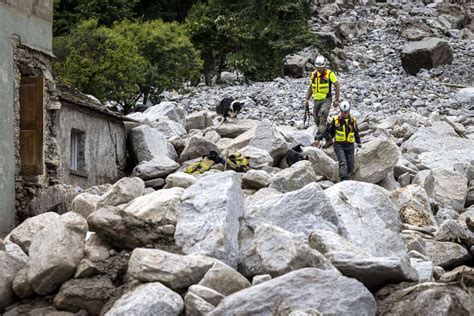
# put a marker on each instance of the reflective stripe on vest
(341, 130)
(321, 87)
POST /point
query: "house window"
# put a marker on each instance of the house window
(78, 158)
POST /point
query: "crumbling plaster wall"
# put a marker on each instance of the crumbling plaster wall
(29, 22)
(32, 63)
(105, 145)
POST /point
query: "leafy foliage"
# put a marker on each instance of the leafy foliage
(126, 61)
(251, 36)
(169, 51)
(167, 10)
(67, 13)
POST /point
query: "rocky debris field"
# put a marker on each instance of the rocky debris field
(277, 240)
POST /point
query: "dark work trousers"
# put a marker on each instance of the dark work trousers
(345, 156)
(320, 114)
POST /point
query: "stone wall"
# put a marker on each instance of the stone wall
(41, 9)
(104, 145)
(27, 22)
(31, 63)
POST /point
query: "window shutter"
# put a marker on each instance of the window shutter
(31, 125)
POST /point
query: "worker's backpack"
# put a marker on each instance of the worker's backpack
(237, 162)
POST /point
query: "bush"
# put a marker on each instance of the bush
(127, 61)
(249, 36)
(101, 62)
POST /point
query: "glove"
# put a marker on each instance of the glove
(306, 103)
(359, 145)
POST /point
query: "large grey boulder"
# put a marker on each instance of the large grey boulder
(159, 207)
(234, 129)
(209, 295)
(208, 218)
(294, 177)
(350, 28)
(465, 95)
(258, 158)
(256, 179)
(155, 168)
(455, 231)
(373, 272)
(165, 109)
(446, 254)
(276, 251)
(198, 120)
(55, 252)
(376, 160)
(367, 218)
(299, 212)
(295, 66)
(23, 234)
(126, 231)
(174, 271)
(197, 147)
(238, 142)
(268, 138)
(354, 262)
(427, 298)
(223, 279)
(9, 266)
(85, 204)
(196, 305)
(123, 191)
(84, 294)
(180, 180)
(447, 188)
(169, 128)
(21, 286)
(323, 165)
(148, 143)
(414, 205)
(438, 146)
(148, 299)
(57, 197)
(324, 290)
(428, 53)
(415, 31)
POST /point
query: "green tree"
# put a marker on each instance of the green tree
(251, 36)
(102, 62)
(127, 61)
(172, 57)
(67, 13)
(167, 10)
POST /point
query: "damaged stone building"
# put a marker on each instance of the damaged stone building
(48, 135)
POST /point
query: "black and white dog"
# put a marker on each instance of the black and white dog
(295, 154)
(228, 108)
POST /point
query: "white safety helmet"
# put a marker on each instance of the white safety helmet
(345, 106)
(320, 61)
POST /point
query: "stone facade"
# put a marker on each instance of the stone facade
(29, 62)
(101, 143)
(26, 23)
(26, 50)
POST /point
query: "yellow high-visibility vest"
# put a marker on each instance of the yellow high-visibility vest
(341, 130)
(321, 84)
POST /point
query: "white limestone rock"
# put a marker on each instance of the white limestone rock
(55, 252)
(208, 217)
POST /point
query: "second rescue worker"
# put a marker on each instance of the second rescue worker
(320, 87)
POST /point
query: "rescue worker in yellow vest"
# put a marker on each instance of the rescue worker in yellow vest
(320, 87)
(344, 129)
